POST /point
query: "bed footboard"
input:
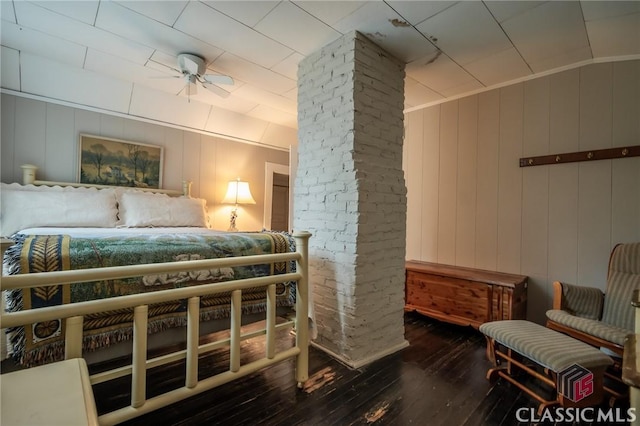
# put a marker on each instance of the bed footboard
(73, 314)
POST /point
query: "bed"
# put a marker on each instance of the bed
(99, 254)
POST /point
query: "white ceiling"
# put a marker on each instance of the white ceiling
(105, 54)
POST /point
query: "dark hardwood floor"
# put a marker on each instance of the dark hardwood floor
(438, 380)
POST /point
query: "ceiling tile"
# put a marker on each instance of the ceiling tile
(465, 32)
(548, 32)
(130, 71)
(503, 10)
(248, 12)
(416, 94)
(593, 10)
(562, 59)
(440, 75)
(166, 12)
(41, 44)
(141, 29)
(303, 33)
(146, 102)
(84, 11)
(232, 103)
(462, 89)
(73, 85)
(163, 62)
(230, 35)
(415, 12)
(253, 74)
(330, 11)
(9, 68)
(499, 67)
(289, 66)
(617, 36)
(262, 96)
(235, 125)
(6, 11)
(266, 113)
(291, 94)
(281, 136)
(374, 20)
(32, 16)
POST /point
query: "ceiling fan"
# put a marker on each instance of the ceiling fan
(193, 70)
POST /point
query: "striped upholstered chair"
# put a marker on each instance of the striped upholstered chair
(600, 319)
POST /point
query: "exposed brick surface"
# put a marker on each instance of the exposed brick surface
(350, 193)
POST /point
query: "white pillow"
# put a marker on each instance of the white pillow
(32, 206)
(137, 209)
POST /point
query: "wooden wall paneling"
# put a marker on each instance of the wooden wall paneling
(594, 191)
(87, 122)
(564, 111)
(625, 220)
(112, 126)
(430, 184)
(595, 106)
(30, 133)
(535, 221)
(137, 131)
(466, 181)
(60, 135)
(487, 183)
(212, 185)
(535, 228)
(563, 223)
(594, 222)
(535, 186)
(193, 162)
(412, 158)
(173, 142)
(510, 179)
(564, 125)
(536, 117)
(448, 183)
(7, 132)
(625, 201)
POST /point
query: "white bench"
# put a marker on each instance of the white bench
(52, 394)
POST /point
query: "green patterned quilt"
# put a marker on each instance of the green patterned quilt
(44, 342)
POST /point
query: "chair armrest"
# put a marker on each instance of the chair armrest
(584, 302)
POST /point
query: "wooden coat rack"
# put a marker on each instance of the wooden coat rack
(572, 157)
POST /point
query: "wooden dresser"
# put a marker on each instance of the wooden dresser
(464, 296)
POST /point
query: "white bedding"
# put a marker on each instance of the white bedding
(117, 232)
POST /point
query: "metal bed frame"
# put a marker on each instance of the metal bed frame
(140, 404)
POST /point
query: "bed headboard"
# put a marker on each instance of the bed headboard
(29, 178)
(62, 204)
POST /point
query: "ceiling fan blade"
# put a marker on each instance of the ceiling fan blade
(218, 79)
(191, 89)
(215, 89)
(166, 76)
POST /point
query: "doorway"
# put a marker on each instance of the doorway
(276, 205)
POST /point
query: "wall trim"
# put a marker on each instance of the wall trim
(137, 118)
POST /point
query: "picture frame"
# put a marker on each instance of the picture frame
(116, 162)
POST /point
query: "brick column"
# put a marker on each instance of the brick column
(350, 193)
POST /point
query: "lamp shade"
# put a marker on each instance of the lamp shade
(238, 193)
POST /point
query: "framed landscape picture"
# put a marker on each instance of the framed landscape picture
(107, 161)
